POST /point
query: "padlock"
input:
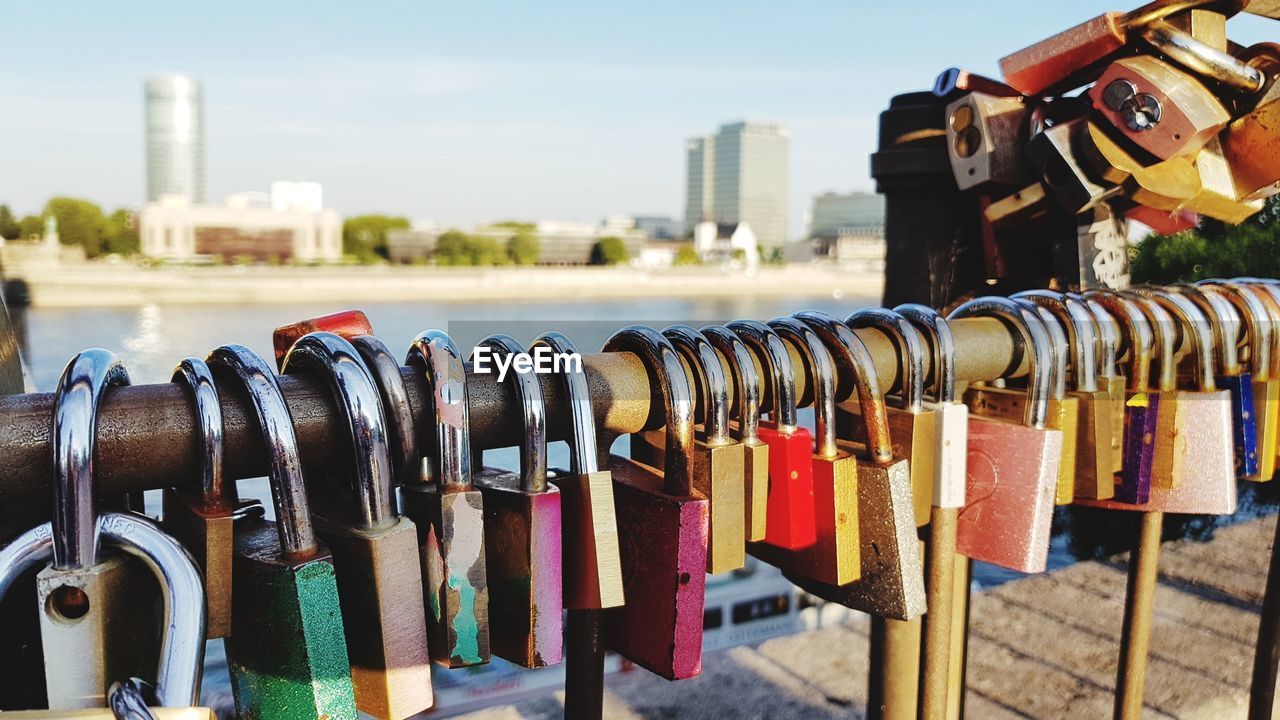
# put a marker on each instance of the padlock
(1265, 389)
(1109, 378)
(287, 654)
(1070, 58)
(1064, 411)
(1204, 59)
(1226, 327)
(985, 134)
(834, 559)
(449, 513)
(592, 572)
(954, 82)
(347, 323)
(1161, 109)
(1270, 296)
(1094, 442)
(1053, 156)
(790, 522)
(1163, 222)
(406, 458)
(662, 528)
(738, 365)
(891, 584)
(912, 427)
(952, 416)
(374, 550)
(181, 661)
(1133, 481)
(1012, 464)
(95, 609)
(1248, 142)
(203, 519)
(718, 460)
(522, 526)
(1203, 419)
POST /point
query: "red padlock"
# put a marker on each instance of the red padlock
(347, 324)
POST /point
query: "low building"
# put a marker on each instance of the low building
(724, 243)
(250, 225)
(834, 211)
(852, 245)
(559, 243)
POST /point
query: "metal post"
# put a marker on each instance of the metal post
(1266, 658)
(1135, 637)
(959, 651)
(584, 665)
(936, 644)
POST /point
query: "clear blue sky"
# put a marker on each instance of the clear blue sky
(463, 112)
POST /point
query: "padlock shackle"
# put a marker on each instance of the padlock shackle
(1270, 296)
(1164, 333)
(713, 387)
(822, 378)
(662, 363)
(910, 346)
(397, 412)
(1081, 329)
(1204, 60)
(584, 450)
(1257, 326)
(1224, 322)
(942, 345)
(533, 413)
(775, 363)
(75, 426)
(1159, 10)
(1132, 328)
(1109, 340)
(337, 362)
(181, 661)
(853, 360)
(1058, 343)
(1034, 342)
(1195, 332)
(435, 353)
(194, 375)
(736, 358)
(240, 365)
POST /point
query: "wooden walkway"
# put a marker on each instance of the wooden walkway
(1041, 647)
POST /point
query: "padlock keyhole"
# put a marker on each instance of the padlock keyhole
(68, 603)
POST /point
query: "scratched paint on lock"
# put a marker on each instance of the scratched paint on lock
(467, 589)
(1245, 435)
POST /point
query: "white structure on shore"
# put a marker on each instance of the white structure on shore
(290, 224)
(174, 138)
(740, 174)
(726, 243)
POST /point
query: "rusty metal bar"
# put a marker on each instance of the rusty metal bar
(1135, 638)
(147, 437)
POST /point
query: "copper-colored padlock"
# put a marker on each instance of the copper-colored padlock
(662, 528)
(738, 365)
(1158, 107)
(1012, 464)
(347, 323)
(955, 81)
(834, 558)
(791, 506)
(913, 427)
(892, 577)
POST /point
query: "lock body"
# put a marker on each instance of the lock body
(592, 577)
(207, 532)
(1064, 415)
(1133, 483)
(1061, 60)
(1169, 456)
(1156, 106)
(662, 540)
(953, 444)
(455, 584)
(835, 557)
(1243, 423)
(287, 654)
(1266, 404)
(791, 522)
(985, 135)
(755, 466)
(523, 561)
(915, 439)
(1116, 398)
(1094, 476)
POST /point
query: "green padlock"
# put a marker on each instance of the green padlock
(287, 652)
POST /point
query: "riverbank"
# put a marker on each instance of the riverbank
(105, 284)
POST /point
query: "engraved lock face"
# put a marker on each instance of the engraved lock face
(984, 134)
(1160, 108)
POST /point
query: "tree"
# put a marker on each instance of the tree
(121, 235)
(451, 248)
(80, 222)
(686, 255)
(365, 236)
(30, 225)
(8, 224)
(609, 251)
(524, 248)
(1214, 249)
(517, 225)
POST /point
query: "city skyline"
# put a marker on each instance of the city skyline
(463, 115)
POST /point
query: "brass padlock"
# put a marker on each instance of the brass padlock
(203, 519)
(1014, 457)
(1110, 380)
(834, 559)
(739, 365)
(1133, 482)
(592, 572)
(287, 653)
(718, 469)
(1158, 107)
(449, 513)
(913, 427)
(375, 551)
(1094, 443)
(522, 524)
(1270, 296)
(891, 584)
(662, 528)
(1248, 143)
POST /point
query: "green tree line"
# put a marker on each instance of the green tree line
(365, 240)
(80, 222)
(1214, 249)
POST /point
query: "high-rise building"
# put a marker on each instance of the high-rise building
(741, 174)
(175, 138)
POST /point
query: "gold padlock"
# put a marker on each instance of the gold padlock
(1270, 295)
(1110, 379)
(738, 364)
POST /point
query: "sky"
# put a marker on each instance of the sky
(469, 112)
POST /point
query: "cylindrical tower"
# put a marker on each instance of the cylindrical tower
(175, 138)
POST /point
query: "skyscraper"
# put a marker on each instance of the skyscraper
(174, 138)
(741, 174)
